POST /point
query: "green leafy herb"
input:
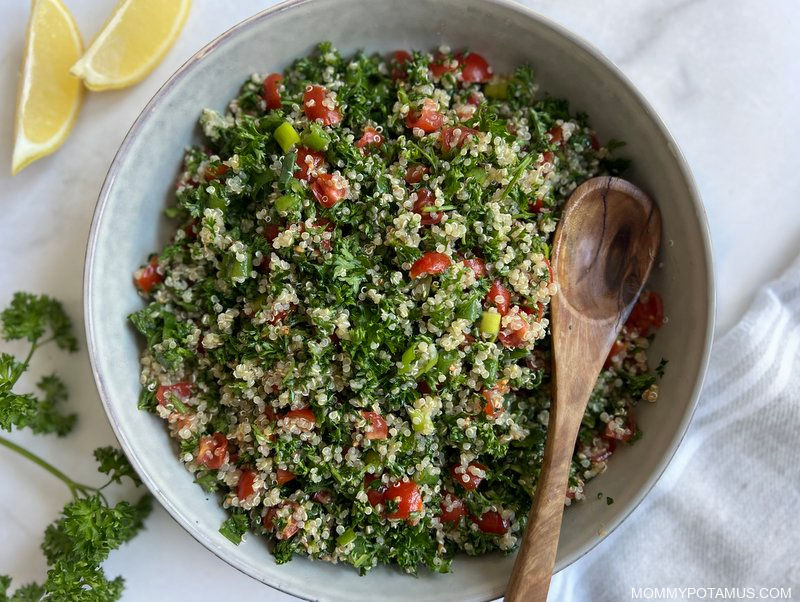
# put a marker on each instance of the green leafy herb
(89, 527)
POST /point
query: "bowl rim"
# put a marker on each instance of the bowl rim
(286, 5)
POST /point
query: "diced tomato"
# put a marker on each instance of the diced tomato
(398, 62)
(431, 263)
(424, 388)
(616, 349)
(181, 390)
(473, 480)
(600, 450)
(270, 413)
(514, 337)
(491, 522)
(283, 476)
(475, 98)
(556, 135)
(377, 429)
(191, 229)
(499, 296)
(428, 119)
(271, 90)
(329, 189)
(478, 267)
(271, 231)
(279, 317)
(323, 496)
(465, 112)
(147, 277)
(454, 137)
(291, 526)
(215, 172)
(244, 488)
(212, 450)
(547, 157)
(494, 398)
(407, 496)
(536, 206)
(596, 146)
(304, 418)
(309, 163)
(474, 68)
(647, 315)
(626, 433)
(452, 509)
(323, 224)
(414, 173)
(374, 492)
(425, 199)
(441, 64)
(371, 137)
(314, 100)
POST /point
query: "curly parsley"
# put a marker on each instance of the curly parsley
(89, 527)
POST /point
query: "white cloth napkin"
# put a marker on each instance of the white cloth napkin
(726, 512)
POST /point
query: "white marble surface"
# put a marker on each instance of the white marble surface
(725, 79)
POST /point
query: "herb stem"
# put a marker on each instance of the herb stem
(75, 488)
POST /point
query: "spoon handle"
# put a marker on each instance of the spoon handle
(530, 579)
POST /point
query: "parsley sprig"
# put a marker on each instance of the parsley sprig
(89, 526)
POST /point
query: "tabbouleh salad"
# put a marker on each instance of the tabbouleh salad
(348, 333)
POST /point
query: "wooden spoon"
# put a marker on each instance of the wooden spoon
(602, 255)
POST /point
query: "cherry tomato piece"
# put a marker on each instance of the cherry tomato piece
(319, 106)
(407, 496)
(431, 263)
(271, 90)
(425, 199)
(414, 173)
(329, 189)
(374, 492)
(474, 68)
(377, 427)
(478, 267)
(212, 450)
(309, 162)
(291, 526)
(616, 349)
(283, 476)
(647, 315)
(304, 418)
(452, 509)
(244, 488)
(398, 64)
(147, 277)
(499, 296)
(491, 522)
(181, 390)
(215, 172)
(371, 137)
(441, 65)
(454, 137)
(466, 477)
(428, 119)
(556, 135)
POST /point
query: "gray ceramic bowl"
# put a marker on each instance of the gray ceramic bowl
(129, 224)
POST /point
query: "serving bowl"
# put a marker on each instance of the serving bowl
(128, 224)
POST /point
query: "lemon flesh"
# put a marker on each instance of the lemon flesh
(131, 43)
(48, 98)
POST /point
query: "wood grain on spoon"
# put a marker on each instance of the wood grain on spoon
(603, 251)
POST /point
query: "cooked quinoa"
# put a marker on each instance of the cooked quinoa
(348, 334)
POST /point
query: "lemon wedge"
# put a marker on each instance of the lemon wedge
(49, 98)
(132, 42)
